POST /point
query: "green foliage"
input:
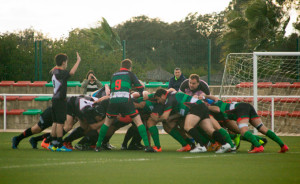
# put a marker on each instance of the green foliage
(244, 26)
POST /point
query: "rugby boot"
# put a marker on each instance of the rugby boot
(98, 149)
(63, 149)
(45, 145)
(198, 149)
(111, 146)
(135, 146)
(284, 149)
(157, 149)
(106, 146)
(185, 148)
(263, 142)
(123, 147)
(149, 149)
(213, 146)
(257, 150)
(232, 150)
(15, 142)
(68, 145)
(224, 148)
(52, 148)
(33, 143)
(237, 141)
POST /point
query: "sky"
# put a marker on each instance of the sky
(56, 18)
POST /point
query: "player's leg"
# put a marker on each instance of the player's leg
(171, 128)
(257, 123)
(243, 126)
(110, 132)
(103, 130)
(141, 128)
(207, 126)
(222, 131)
(129, 134)
(190, 124)
(35, 129)
(154, 132)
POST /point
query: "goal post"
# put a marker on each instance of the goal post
(255, 61)
(253, 78)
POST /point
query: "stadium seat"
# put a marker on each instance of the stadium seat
(264, 113)
(32, 112)
(50, 84)
(264, 84)
(26, 98)
(105, 82)
(2, 111)
(267, 99)
(281, 85)
(295, 85)
(248, 100)
(73, 84)
(7, 83)
(245, 85)
(234, 99)
(43, 98)
(9, 98)
(280, 113)
(290, 100)
(294, 114)
(38, 84)
(15, 112)
(22, 83)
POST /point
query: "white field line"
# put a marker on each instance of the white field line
(74, 163)
(232, 154)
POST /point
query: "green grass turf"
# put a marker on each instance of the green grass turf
(26, 165)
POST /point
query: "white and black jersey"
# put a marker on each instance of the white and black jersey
(59, 80)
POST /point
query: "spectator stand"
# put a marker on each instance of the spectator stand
(17, 117)
(6, 86)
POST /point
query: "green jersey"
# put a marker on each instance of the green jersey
(121, 84)
(178, 102)
(227, 107)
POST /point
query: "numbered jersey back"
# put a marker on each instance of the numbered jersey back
(59, 80)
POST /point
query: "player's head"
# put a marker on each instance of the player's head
(177, 72)
(194, 81)
(126, 63)
(61, 60)
(161, 95)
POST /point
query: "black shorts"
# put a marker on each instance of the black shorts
(59, 111)
(244, 111)
(126, 108)
(46, 119)
(44, 124)
(200, 110)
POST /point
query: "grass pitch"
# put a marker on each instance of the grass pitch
(26, 165)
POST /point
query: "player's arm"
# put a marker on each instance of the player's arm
(215, 109)
(136, 84)
(161, 118)
(214, 98)
(73, 70)
(204, 87)
(184, 85)
(101, 99)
